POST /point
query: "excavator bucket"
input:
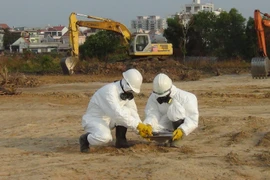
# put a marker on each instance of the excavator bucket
(260, 67)
(67, 65)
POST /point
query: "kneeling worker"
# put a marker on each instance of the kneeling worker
(113, 106)
(170, 109)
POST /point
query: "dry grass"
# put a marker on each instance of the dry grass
(10, 83)
(6, 88)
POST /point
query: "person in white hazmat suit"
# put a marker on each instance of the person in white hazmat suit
(113, 106)
(170, 109)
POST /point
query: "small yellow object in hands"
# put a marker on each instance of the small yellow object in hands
(177, 134)
(145, 130)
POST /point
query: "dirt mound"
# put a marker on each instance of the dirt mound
(238, 137)
(141, 148)
(264, 158)
(233, 158)
(149, 69)
(10, 82)
(177, 70)
(265, 141)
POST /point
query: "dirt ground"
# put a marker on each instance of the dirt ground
(40, 129)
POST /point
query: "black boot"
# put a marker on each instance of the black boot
(121, 141)
(84, 144)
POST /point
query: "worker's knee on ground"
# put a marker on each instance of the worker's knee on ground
(100, 139)
(106, 139)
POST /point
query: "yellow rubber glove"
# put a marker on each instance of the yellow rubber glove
(150, 131)
(144, 130)
(177, 134)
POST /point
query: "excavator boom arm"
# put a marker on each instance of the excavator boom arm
(259, 27)
(102, 23)
(108, 25)
(69, 63)
(260, 66)
(93, 17)
(73, 35)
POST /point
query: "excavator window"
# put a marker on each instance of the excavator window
(131, 45)
(141, 42)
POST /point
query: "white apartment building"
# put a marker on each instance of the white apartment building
(149, 23)
(196, 6)
(139, 23)
(193, 8)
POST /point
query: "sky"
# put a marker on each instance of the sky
(40, 13)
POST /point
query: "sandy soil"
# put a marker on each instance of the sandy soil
(40, 129)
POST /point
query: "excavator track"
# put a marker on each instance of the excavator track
(260, 67)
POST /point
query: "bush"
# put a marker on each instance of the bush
(37, 64)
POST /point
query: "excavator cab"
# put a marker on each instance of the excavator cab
(142, 41)
(141, 45)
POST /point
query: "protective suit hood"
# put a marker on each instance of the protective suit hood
(125, 85)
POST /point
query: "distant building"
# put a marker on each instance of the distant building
(4, 26)
(43, 40)
(66, 40)
(55, 32)
(39, 40)
(193, 8)
(196, 6)
(149, 23)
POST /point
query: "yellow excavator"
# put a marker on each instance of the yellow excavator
(260, 66)
(139, 45)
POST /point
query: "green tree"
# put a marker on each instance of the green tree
(251, 48)
(227, 35)
(186, 22)
(230, 34)
(9, 38)
(101, 45)
(173, 33)
(202, 35)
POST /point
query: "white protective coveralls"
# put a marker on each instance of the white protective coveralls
(184, 105)
(106, 110)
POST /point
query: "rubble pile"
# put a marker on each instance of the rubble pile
(11, 82)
